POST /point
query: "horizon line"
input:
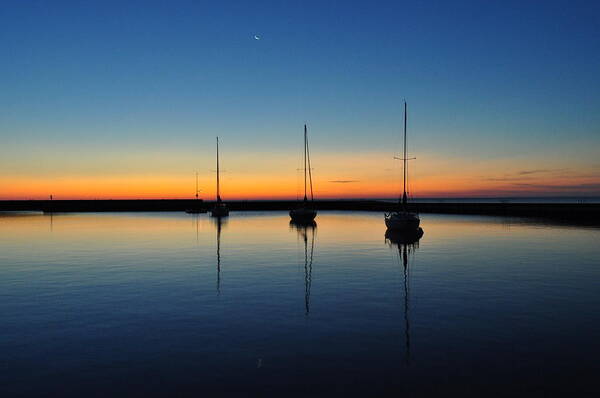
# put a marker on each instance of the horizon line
(260, 199)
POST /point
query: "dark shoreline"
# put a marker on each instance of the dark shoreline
(585, 213)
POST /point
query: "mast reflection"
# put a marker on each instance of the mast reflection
(219, 223)
(407, 243)
(303, 232)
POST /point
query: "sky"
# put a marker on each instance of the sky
(113, 99)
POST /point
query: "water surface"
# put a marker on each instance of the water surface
(163, 304)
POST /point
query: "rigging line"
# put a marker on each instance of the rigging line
(298, 176)
(312, 198)
(218, 187)
(305, 162)
(404, 160)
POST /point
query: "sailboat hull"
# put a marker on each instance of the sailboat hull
(402, 221)
(219, 211)
(303, 215)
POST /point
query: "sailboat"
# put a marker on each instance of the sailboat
(306, 212)
(220, 209)
(197, 207)
(403, 220)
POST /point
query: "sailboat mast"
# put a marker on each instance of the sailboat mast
(196, 185)
(404, 198)
(218, 188)
(305, 199)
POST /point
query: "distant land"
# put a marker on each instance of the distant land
(580, 210)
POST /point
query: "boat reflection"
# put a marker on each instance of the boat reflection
(399, 237)
(220, 223)
(304, 229)
(407, 243)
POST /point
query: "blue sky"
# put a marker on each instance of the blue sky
(487, 81)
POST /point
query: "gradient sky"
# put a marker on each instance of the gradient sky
(123, 99)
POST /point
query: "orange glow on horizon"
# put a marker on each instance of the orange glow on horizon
(249, 188)
(369, 175)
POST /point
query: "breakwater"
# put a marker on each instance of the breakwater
(583, 212)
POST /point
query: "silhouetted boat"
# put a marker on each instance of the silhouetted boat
(306, 212)
(220, 209)
(198, 205)
(403, 220)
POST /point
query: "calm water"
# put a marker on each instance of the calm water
(170, 304)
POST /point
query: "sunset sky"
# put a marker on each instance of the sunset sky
(117, 99)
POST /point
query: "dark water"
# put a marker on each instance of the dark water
(153, 305)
